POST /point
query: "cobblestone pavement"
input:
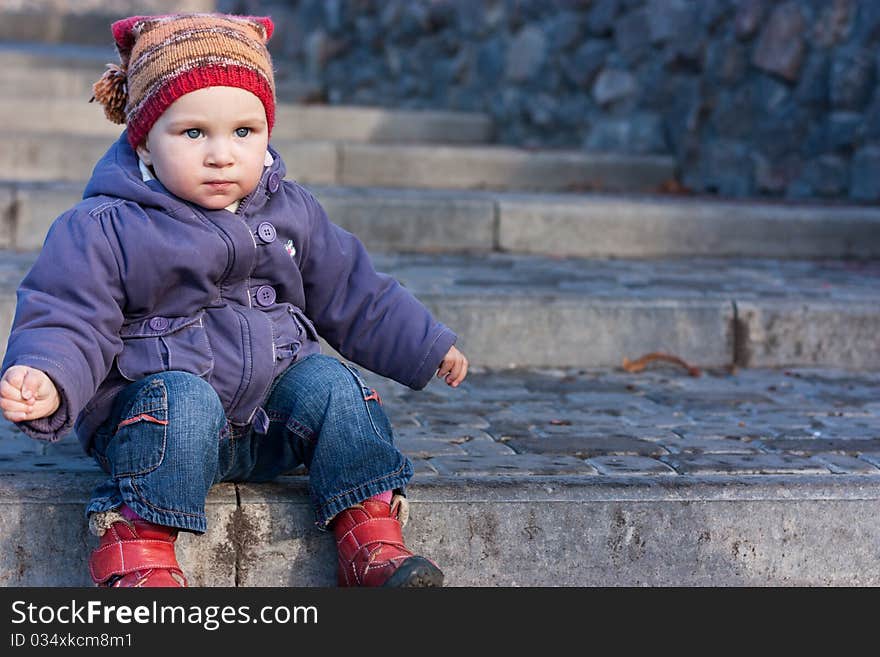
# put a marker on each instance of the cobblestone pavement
(724, 278)
(660, 422)
(537, 276)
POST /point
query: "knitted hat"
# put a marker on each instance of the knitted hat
(164, 57)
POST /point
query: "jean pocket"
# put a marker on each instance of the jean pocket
(377, 416)
(159, 344)
(138, 444)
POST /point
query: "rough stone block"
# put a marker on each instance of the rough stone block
(32, 556)
(597, 332)
(43, 156)
(534, 464)
(7, 212)
(742, 464)
(623, 227)
(309, 162)
(498, 168)
(581, 446)
(630, 465)
(278, 543)
(404, 221)
(843, 464)
(782, 333)
(37, 207)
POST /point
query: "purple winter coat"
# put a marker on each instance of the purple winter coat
(134, 280)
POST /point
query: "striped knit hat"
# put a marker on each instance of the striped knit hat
(164, 57)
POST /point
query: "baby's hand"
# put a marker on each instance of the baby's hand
(27, 394)
(454, 367)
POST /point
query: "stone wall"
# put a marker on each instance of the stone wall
(753, 97)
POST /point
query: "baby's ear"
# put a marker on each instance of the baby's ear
(144, 153)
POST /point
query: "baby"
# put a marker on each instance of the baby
(172, 319)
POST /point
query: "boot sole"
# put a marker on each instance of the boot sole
(415, 572)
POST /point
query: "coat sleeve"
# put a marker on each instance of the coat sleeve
(68, 316)
(369, 317)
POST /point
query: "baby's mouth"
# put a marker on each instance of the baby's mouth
(219, 184)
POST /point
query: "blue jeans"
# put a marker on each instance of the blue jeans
(167, 441)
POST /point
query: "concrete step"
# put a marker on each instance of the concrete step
(542, 478)
(65, 71)
(75, 117)
(60, 156)
(530, 311)
(47, 88)
(584, 225)
(80, 21)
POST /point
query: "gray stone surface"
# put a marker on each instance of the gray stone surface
(693, 517)
(37, 206)
(75, 115)
(775, 333)
(781, 46)
(543, 312)
(499, 168)
(403, 220)
(591, 225)
(8, 211)
(45, 156)
(619, 76)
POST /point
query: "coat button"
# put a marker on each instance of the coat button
(266, 231)
(265, 295)
(274, 182)
(158, 323)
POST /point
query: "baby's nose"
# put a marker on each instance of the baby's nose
(219, 153)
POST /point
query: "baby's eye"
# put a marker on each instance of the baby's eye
(242, 132)
(193, 133)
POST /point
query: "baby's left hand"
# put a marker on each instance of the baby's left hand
(454, 367)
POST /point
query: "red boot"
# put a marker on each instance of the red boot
(371, 550)
(134, 552)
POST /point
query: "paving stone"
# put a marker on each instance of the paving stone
(733, 428)
(846, 430)
(742, 464)
(448, 432)
(871, 457)
(843, 464)
(422, 468)
(585, 446)
(629, 465)
(485, 446)
(708, 445)
(438, 419)
(721, 401)
(775, 333)
(424, 447)
(616, 404)
(667, 421)
(520, 464)
(807, 446)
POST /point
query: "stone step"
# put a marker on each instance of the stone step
(541, 478)
(59, 156)
(64, 71)
(584, 225)
(80, 21)
(47, 88)
(530, 311)
(332, 123)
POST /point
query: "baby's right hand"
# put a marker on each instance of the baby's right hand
(27, 394)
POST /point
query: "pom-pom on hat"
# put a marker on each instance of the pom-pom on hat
(164, 57)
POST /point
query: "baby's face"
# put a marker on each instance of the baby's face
(209, 147)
